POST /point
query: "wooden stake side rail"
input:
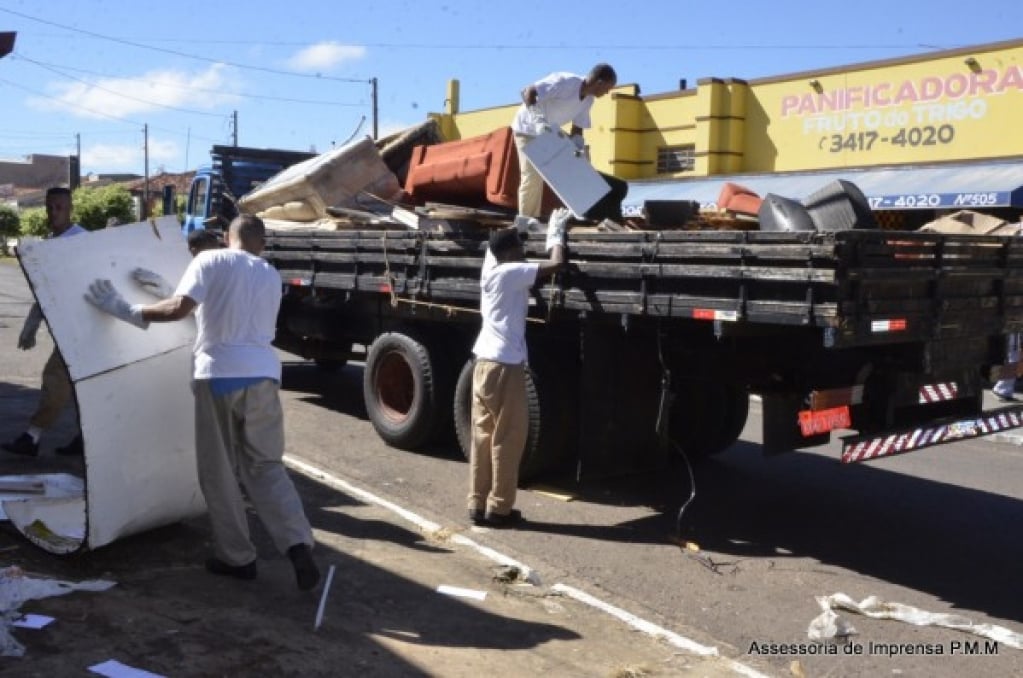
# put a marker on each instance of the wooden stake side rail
(862, 287)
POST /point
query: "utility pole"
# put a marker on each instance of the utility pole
(144, 210)
(234, 128)
(376, 130)
(74, 179)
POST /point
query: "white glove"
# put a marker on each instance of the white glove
(27, 338)
(152, 282)
(556, 226)
(103, 295)
(540, 124)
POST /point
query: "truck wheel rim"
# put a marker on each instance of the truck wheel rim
(395, 387)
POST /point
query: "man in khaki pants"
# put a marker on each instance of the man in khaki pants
(239, 422)
(56, 385)
(499, 406)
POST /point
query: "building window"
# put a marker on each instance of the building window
(671, 159)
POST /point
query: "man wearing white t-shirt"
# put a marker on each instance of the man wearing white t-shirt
(499, 405)
(547, 105)
(239, 422)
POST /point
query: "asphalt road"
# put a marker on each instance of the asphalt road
(934, 529)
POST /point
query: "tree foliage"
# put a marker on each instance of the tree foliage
(95, 207)
(10, 225)
(34, 222)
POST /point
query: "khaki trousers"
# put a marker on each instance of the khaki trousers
(500, 422)
(243, 432)
(54, 393)
(530, 181)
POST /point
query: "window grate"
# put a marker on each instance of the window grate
(672, 159)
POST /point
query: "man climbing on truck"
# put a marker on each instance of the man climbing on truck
(499, 406)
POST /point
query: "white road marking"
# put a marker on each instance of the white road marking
(530, 575)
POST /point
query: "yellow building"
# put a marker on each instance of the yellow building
(934, 132)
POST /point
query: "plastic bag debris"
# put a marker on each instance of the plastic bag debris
(16, 588)
(872, 606)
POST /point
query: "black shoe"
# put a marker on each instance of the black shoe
(23, 445)
(477, 517)
(514, 517)
(218, 566)
(307, 575)
(73, 449)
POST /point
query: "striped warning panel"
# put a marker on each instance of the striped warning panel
(936, 393)
(856, 449)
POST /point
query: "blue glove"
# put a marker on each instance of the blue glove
(103, 295)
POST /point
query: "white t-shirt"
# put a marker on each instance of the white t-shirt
(504, 304)
(238, 295)
(73, 229)
(557, 97)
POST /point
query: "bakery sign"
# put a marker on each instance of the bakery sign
(948, 114)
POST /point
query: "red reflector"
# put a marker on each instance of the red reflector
(812, 422)
(703, 313)
(385, 288)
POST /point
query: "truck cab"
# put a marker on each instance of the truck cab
(234, 171)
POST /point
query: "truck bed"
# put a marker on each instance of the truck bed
(859, 287)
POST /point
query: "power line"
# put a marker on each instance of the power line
(119, 94)
(139, 45)
(246, 95)
(101, 114)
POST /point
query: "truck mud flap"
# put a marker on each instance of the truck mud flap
(865, 448)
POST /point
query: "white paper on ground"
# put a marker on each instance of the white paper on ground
(132, 387)
(32, 621)
(876, 608)
(16, 587)
(461, 593)
(572, 178)
(115, 669)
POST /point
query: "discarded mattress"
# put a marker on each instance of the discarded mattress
(333, 179)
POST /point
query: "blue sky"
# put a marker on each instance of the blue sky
(297, 73)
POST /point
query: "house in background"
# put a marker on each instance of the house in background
(163, 190)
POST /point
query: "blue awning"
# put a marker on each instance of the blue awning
(948, 186)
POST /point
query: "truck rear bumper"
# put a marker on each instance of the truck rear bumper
(865, 448)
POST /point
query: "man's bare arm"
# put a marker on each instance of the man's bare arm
(169, 309)
(554, 264)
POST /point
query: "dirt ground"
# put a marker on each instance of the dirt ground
(383, 615)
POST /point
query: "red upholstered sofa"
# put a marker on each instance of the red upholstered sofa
(473, 172)
(739, 199)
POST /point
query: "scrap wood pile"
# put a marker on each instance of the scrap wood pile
(413, 180)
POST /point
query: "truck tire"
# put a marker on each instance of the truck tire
(533, 464)
(403, 388)
(707, 417)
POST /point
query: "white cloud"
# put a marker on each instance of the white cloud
(123, 158)
(324, 56)
(151, 91)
